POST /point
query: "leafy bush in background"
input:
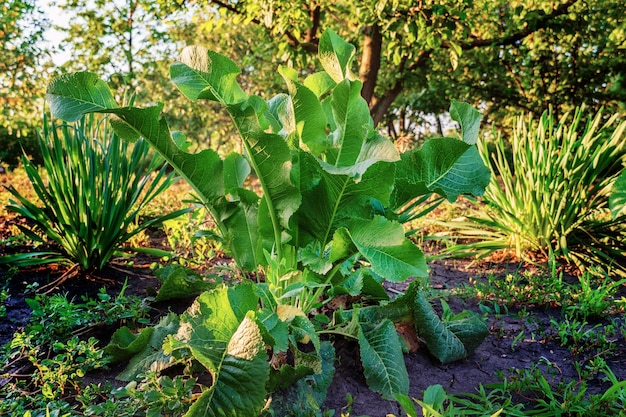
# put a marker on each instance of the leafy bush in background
(551, 196)
(13, 146)
(324, 224)
(90, 199)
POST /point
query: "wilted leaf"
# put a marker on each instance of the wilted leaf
(382, 358)
(124, 343)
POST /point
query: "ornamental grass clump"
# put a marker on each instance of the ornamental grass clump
(551, 194)
(90, 198)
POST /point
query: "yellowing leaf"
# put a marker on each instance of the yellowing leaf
(246, 341)
(288, 312)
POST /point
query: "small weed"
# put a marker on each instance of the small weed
(493, 309)
(582, 338)
(43, 365)
(4, 296)
(585, 299)
(592, 301)
(71, 362)
(437, 403)
(155, 396)
(518, 289)
(188, 237)
(38, 376)
(517, 339)
(55, 317)
(547, 395)
(591, 369)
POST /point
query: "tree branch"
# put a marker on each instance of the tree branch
(307, 45)
(232, 8)
(314, 14)
(379, 106)
(541, 23)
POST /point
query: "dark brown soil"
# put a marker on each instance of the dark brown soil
(495, 354)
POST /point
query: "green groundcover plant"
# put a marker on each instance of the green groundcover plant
(327, 222)
(90, 200)
(550, 192)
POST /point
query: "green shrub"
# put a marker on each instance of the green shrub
(15, 144)
(89, 203)
(551, 196)
(325, 223)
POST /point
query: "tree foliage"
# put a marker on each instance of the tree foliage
(505, 55)
(21, 67)
(133, 43)
(119, 37)
(412, 57)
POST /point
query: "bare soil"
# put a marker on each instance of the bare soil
(496, 353)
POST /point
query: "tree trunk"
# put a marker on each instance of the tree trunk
(370, 62)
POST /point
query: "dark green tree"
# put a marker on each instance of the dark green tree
(23, 75)
(502, 55)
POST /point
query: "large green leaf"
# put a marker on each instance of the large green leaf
(391, 254)
(304, 364)
(152, 357)
(447, 166)
(204, 74)
(179, 282)
(469, 119)
(308, 119)
(382, 358)
(375, 148)
(238, 388)
(240, 216)
(220, 331)
(301, 328)
(469, 328)
(203, 170)
(336, 199)
(242, 228)
(441, 342)
(319, 83)
(214, 78)
(307, 396)
(72, 95)
(208, 325)
(275, 331)
(236, 170)
(352, 120)
(271, 158)
(336, 56)
(210, 177)
(124, 343)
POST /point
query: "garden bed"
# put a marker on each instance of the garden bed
(522, 337)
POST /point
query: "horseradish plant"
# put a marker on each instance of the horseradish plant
(324, 224)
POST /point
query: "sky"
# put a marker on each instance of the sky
(54, 37)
